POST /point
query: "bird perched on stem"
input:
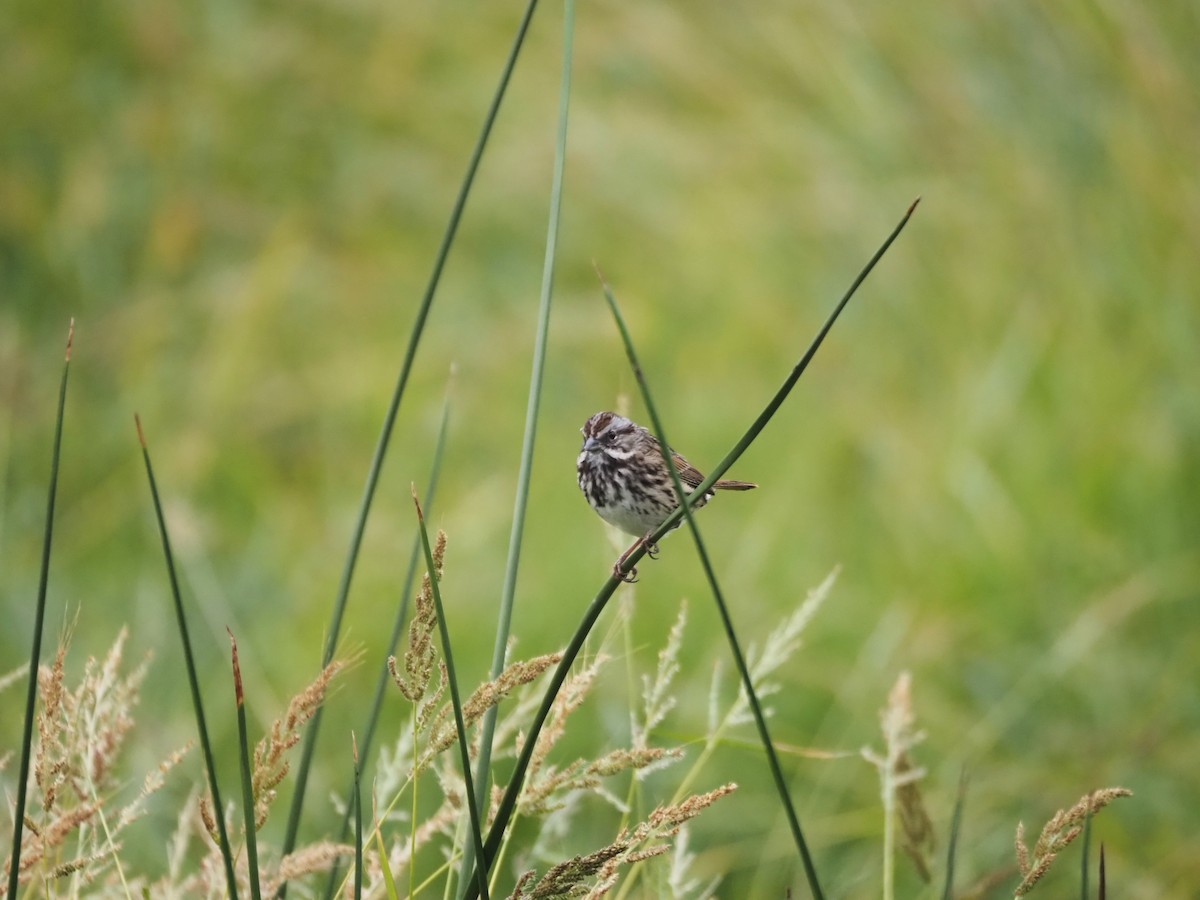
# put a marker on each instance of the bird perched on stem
(625, 478)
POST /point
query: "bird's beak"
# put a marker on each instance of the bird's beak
(590, 444)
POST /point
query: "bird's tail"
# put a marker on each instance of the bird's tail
(726, 485)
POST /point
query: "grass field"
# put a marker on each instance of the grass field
(999, 444)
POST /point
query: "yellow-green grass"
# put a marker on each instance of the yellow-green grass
(999, 443)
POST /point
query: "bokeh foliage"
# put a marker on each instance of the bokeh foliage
(1000, 443)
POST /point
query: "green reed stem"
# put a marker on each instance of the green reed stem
(339, 608)
(504, 624)
(739, 658)
(1087, 846)
(247, 775)
(389, 880)
(781, 394)
(39, 619)
(358, 835)
(455, 699)
(955, 828)
(508, 801)
(190, 665)
(385, 678)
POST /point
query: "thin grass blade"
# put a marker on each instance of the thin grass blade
(389, 880)
(455, 698)
(739, 657)
(504, 623)
(190, 665)
(247, 775)
(339, 607)
(384, 679)
(508, 801)
(1087, 846)
(955, 828)
(358, 836)
(39, 619)
(781, 394)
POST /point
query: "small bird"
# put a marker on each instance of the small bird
(625, 478)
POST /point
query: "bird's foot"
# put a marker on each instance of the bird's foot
(629, 577)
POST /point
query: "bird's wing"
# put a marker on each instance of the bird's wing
(688, 474)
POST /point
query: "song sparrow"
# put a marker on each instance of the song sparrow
(626, 480)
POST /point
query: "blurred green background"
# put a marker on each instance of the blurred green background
(1000, 443)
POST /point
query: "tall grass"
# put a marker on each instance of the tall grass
(1013, 509)
(389, 420)
(35, 651)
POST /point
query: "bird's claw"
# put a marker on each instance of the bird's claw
(629, 577)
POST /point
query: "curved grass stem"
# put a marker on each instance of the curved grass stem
(508, 592)
(384, 679)
(739, 657)
(385, 433)
(248, 811)
(455, 698)
(190, 665)
(508, 801)
(358, 835)
(955, 828)
(39, 619)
